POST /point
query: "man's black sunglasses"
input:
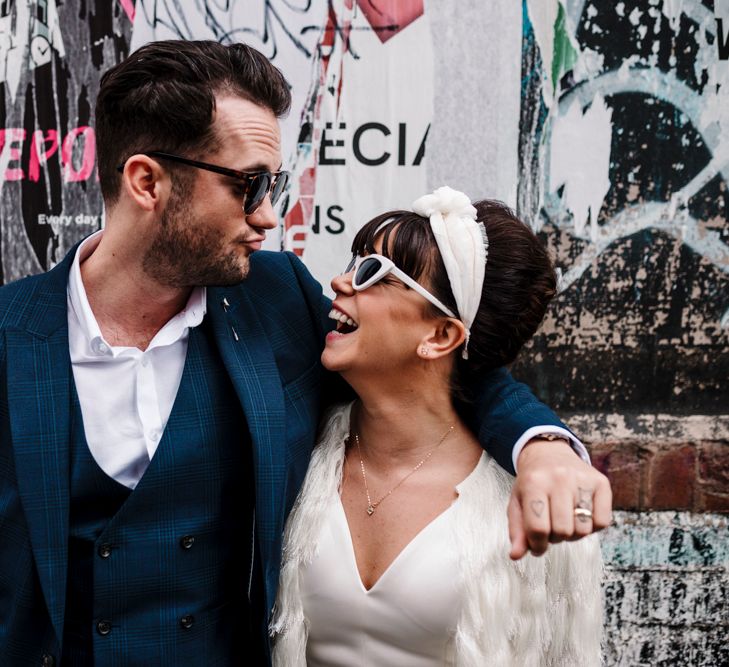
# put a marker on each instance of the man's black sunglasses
(256, 185)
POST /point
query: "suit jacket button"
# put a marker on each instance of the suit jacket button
(103, 627)
(105, 550)
(47, 660)
(186, 621)
(187, 541)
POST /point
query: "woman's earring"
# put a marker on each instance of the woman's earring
(424, 351)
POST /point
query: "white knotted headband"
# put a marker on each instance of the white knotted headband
(463, 245)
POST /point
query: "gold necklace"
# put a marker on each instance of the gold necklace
(372, 506)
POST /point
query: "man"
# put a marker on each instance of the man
(154, 431)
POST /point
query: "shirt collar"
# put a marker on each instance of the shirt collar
(190, 316)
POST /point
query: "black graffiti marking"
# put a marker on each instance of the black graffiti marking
(722, 41)
(167, 14)
(271, 17)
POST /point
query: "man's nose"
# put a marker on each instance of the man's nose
(264, 217)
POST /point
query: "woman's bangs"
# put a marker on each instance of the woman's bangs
(406, 240)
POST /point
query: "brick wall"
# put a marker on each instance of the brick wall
(683, 476)
(667, 553)
(661, 462)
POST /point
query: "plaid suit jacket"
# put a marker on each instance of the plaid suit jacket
(270, 334)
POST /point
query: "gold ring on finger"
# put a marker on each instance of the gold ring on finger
(583, 513)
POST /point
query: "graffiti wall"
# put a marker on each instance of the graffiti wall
(51, 59)
(604, 123)
(623, 162)
(362, 87)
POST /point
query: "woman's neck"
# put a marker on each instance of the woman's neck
(400, 428)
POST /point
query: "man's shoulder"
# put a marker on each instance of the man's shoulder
(38, 299)
(277, 275)
(264, 261)
(16, 297)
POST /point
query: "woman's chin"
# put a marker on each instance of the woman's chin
(332, 360)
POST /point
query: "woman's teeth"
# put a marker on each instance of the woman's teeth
(343, 319)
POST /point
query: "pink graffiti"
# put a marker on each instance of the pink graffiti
(71, 174)
(128, 7)
(78, 153)
(389, 17)
(9, 152)
(39, 154)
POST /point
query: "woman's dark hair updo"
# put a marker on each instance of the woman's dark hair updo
(519, 280)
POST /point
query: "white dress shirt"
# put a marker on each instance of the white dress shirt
(126, 394)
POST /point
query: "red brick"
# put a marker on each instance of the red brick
(714, 466)
(710, 501)
(671, 478)
(622, 463)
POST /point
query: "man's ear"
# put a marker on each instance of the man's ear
(146, 183)
(446, 336)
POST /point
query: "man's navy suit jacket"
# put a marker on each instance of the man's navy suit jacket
(270, 334)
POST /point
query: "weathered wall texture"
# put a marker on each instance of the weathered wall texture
(666, 588)
(623, 170)
(625, 139)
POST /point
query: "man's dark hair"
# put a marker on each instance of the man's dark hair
(519, 279)
(162, 97)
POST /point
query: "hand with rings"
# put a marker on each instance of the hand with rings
(556, 497)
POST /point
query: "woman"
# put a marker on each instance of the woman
(396, 552)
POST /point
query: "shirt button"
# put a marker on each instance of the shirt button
(105, 550)
(186, 621)
(102, 348)
(154, 436)
(47, 660)
(187, 541)
(145, 362)
(103, 627)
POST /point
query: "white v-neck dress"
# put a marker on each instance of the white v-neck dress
(408, 617)
(451, 597)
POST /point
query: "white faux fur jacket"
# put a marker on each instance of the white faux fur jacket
(533, 612)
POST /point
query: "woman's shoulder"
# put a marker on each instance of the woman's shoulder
(334, 426)
(488, 483)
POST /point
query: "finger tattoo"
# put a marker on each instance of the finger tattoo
(584, 498)
(537, 507)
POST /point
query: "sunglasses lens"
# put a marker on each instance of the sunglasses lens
(257, 191)
(368, 268)
(278, 187)
(350, 266)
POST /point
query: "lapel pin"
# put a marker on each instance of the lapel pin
(226, 305)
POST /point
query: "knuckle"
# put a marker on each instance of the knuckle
(532, 478)
(602, 483)
(562, 473)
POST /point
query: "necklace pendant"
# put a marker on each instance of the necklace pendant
(370, 510)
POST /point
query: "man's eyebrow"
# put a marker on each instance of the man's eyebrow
(257, 168)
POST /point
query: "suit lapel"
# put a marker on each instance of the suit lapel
(38, 375)
(249, 359)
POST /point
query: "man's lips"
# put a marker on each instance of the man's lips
(254, 243)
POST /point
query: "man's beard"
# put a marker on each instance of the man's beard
(187, 252)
